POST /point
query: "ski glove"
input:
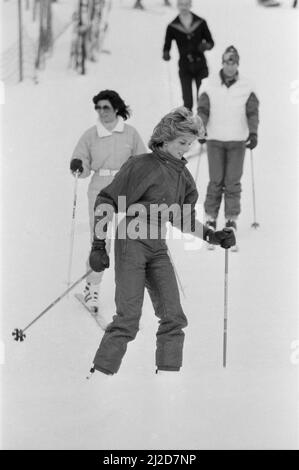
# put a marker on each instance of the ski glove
(98, 258)
(76, 165)
(225, 238)
(203, 46)
(166, 55)
(251, 141)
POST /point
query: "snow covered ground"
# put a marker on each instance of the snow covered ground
(46, 402)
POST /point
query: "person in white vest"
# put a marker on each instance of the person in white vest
(103, 149)
(229, 109)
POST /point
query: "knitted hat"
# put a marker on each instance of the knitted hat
(232, 54)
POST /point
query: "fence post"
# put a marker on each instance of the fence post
(20, 41)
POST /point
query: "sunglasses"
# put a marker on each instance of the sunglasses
(230, 61)
(104, 108)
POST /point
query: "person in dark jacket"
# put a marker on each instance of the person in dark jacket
(229, 108)
(193, 38)
(154, 179)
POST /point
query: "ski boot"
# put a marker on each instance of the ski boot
(91, 297)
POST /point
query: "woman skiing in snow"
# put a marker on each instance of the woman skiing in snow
(103, 149)
(141, 259)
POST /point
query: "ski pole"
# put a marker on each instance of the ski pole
(255, 224)
(197, 165)
(201, 151)
(177, 275)
(225, 308)
(72, 234)
(19, 333)
(171, 101)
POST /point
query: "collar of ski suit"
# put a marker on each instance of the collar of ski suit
(177, 24)
(228, 81)
(103, 132)
(167, 159)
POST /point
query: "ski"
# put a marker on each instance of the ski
(93, 312)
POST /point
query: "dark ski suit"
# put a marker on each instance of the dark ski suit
(191, 44)
(154, 178)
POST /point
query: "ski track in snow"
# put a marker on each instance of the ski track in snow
(47, 403)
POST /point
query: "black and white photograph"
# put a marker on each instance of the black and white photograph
(149, 227)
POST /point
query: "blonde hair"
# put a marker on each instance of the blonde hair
(178, 122)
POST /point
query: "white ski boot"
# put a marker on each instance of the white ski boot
(91, 297)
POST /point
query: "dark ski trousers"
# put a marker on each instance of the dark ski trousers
(140, 264)
(226, 160)
(186, 79)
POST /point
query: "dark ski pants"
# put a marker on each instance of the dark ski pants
(186, 79)
(140, 264)
(226, 160)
